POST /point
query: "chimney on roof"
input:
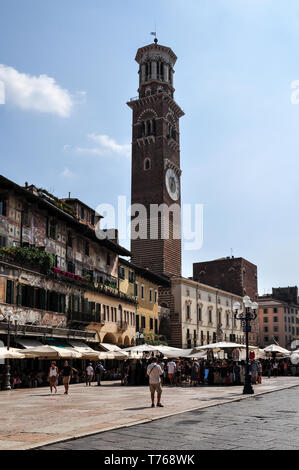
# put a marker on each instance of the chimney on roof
(26, 184)
(69, 195)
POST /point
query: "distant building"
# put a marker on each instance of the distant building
(279, 317)
(235, 275)
(199, 314)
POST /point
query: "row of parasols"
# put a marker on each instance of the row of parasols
(86, 352)
(55, 352)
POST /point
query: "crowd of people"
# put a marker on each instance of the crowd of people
(175, 372)
(205, 372)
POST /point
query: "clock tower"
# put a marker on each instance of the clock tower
(156, 163)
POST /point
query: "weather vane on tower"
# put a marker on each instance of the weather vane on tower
(154, 33)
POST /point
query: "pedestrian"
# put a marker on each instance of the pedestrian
(100, 369)
(53, 376)
(89, 374)
(171, 366)
(154, 373)
(66, 376)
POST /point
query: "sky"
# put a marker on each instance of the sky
(67, 70)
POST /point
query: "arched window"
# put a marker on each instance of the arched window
(147, 164)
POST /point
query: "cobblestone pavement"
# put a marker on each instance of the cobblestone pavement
(268, 421)
(33, 417)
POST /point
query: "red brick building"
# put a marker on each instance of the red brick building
(235, 275)
(156, 161)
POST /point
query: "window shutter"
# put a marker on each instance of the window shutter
(10, 292)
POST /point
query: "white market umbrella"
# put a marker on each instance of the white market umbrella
(198, 355)
(275, 348)
(11, 353)
(222, 345)
(120, 355)
(67, 353)
(141, 348)
(170, 352)
(295, 358)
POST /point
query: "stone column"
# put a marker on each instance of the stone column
(166, 73)
(142, 73)
(154, 70)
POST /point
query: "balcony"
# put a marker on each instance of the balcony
(86, 318)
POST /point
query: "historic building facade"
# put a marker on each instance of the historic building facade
(144, 285)
(200, 314)
(236, 275)
(56, 274)
(279, 317)
(156, 163)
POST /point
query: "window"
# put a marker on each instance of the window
(136, 289)
(275, 329)
(121, 272)
(227, 319)
(3, 241)
(265, 310)
(52, 231)
(108, 259)
(266, 338)
(210, 316)
(156, 326)
(137, 322)
(188, 312)
(156, 296)
(275, 319)
(86, 248)
(143, 322)
(266, 329)
(25, 216)
(208, 337)
(147, 164)
(276, 338)
(151, 323)
(69, 240)
(151, 295)
(142, 292)
(274, 310)
(3, 206)
(81, 212)
(71, 267)
(131, 277)
(10, 292)
(265, 319)
(199, 314)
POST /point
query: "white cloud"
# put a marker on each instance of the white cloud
(105, 146)
(40, 93)
(67, 173)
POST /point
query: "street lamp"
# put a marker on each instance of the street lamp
(9, 317)
(249, 314)
(139, 338)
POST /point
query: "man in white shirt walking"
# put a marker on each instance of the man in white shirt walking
(154, 373)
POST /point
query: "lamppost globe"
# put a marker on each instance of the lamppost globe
(236, 306)
(246, 298)
(255, 306)
(9, 315)
(247, 302)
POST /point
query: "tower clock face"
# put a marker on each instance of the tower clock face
(172, 184)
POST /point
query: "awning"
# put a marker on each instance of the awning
(110, 347)
(86, 351)
(28, 343)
